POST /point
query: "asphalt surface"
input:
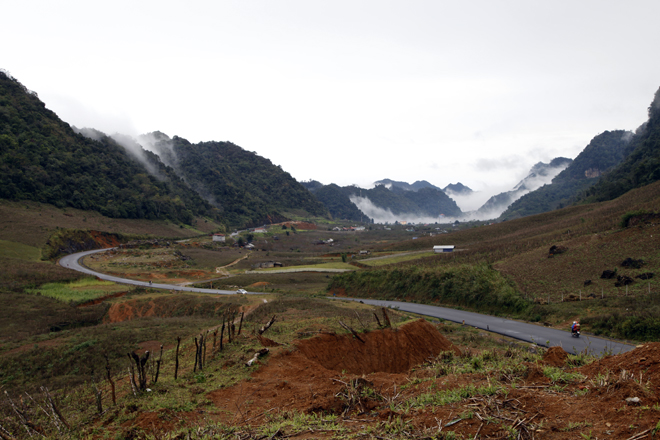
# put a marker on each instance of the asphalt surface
(536, 334)
(73, 262)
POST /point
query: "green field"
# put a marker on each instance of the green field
(12, 249)
(78, 291)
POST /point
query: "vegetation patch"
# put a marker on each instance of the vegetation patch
(77, 291)
(12, 249)
(478, 287)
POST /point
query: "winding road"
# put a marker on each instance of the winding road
(73, 262)
(536, 334)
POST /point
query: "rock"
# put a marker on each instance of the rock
(630, 262)
(623, 280)
(587, 283)
(633, 400)
(645, 276)
(607, 274)
(555, 250)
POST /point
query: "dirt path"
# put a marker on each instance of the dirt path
(216, 269)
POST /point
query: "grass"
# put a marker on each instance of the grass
(344, 266)
(393, 259)
(12, 249)
(78, 291)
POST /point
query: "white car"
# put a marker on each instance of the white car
(241, 291)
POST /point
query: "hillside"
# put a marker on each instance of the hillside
(641, 165)
(338, 202)
(42, 159)
(246, 188)
(603, 153)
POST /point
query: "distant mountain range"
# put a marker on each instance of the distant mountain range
(388, 202)
(157, 177)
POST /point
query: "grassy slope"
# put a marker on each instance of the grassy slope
(32, 223)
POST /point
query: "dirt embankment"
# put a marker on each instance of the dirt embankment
(308, 379)
(70, 241)
(387, 351)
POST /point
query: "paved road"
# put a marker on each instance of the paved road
(72, 262)
(537, 334)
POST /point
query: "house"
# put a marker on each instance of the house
(259, 230)
(249, 246)
(365, 252)
(219, 237)
(440, 249)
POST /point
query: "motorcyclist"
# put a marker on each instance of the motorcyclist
(575, 328)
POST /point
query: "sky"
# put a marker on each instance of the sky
(348, 92)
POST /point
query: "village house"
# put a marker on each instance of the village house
(219, 237)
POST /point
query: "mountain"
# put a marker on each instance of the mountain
(384, 204)
(641, 165)
(457, 189)
(388, 183)
(539, 175)
(43, 159)
(338, 202)
(603, 153)
(246, 188)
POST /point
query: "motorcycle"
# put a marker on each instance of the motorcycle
(575, 333)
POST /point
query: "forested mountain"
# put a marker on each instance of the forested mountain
(603, 153)
(247, 189)
(425, 202)
(43, 159)
(390, 184)
(457, 189)
(540, 174)
(641, 165)
(338, 202)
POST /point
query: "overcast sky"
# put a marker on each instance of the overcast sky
(348, 92)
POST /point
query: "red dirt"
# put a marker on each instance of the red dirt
(259, 284)
(555, 356)
(389, 350)
(128, 310)
(300, 380)
(643, 362)
(105, 240)
(301, 225)
(101, 299)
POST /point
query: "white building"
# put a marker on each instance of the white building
(219, 237)
(441, 249)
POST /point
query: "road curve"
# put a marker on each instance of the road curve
(536, 334)
(544, 336)
(73, 262)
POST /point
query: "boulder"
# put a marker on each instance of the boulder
(608, 274)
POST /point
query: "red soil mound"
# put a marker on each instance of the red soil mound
(259, 284)
(555, 356)
(296, 381)
(388, 351)
(644, 360)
